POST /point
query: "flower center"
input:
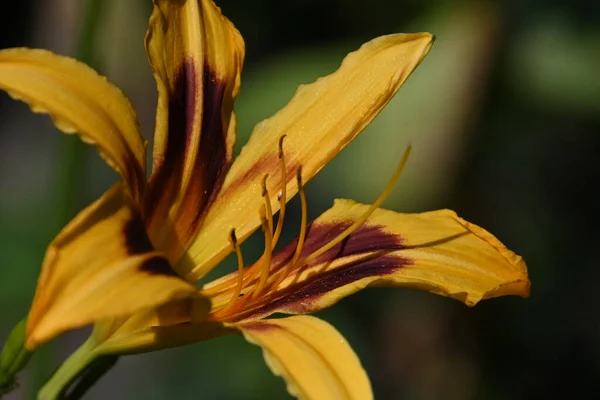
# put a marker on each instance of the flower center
(250, 283)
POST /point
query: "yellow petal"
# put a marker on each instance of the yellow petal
(435, 251)
(100, 266)
(318, 122)
(79, 100)
(313, 358)
(197, 56)
(166, 326)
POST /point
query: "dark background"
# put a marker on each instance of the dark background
(504, 119)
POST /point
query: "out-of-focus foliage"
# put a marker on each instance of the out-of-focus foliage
(504, 119)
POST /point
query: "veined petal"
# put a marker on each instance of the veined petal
(435, 251)
(197, 56)
(100, 266)
(318, 122)
(313, 357)
(79, 100)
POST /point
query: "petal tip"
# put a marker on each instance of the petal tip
(428, 41)
(520, 287)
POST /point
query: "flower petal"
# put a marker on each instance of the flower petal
(102, 265)
(79, 100)
(313, 357)
(197, 56)
(435, 251)
(166, 326)
(318, 122)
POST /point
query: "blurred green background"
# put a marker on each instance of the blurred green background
(504, 117)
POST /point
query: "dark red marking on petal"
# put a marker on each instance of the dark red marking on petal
(300, 298)
(212, 161)
(157, 266)
(366, 238)
(137, 242)
(167, 170)
(137, 184)
(136, 237)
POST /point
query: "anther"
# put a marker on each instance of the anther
(267, 198)
(299, 177)
(281, 145)
(264, 185)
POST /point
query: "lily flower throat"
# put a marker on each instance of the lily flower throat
(252, 286)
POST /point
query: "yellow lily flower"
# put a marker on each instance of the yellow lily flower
(129, 262)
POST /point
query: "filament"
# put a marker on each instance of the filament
(282, 197)
(240, 274)
(302, 236)
(265, 261)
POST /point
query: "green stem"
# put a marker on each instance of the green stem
(68, 371)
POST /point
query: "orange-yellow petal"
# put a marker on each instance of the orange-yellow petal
(169, 325)
(79, 101)
(197, 56)
(313, 357)
(101, 266)
(435, 251)
(318, 122)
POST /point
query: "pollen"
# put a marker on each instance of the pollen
(258, 283)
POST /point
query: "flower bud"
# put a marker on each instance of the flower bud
(13, 358)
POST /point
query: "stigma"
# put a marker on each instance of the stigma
(253, 285)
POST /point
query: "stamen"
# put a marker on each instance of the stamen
(266, 257)
(240, 275)
(265, 195)
(367, 214)
(282, 197)
(302, 236)
(251, 273)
